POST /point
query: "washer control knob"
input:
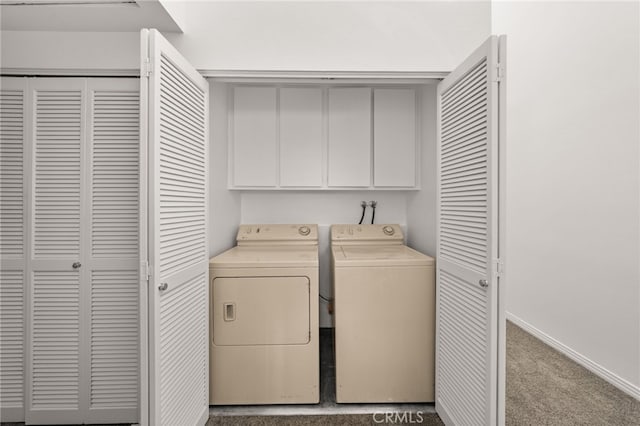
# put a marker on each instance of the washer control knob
(304, 230)
(388, 230)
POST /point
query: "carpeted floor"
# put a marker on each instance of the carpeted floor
(545, 387)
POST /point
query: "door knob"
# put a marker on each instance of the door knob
(163, 286)
(483, 283)
(76, 265)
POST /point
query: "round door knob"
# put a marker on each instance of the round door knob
(304, 230)
(163, 286)
(76, 265)
(483, 283)
(388, 230)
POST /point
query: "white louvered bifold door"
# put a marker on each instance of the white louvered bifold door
(467, 324)
(177, 110)
(82, 329)
(13, 203)
(54, 328)
(112, 368)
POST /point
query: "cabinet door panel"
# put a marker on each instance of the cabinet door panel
(394, 131)
(254, 136)
(301, 137)
(350, 137)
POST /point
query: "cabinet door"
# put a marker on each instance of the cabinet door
(349, 137)
(394, 138)
(254, 136)
(301, 137)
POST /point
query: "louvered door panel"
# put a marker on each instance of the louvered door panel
(114, 175)
(13, 101)
(58, 140)
(55, 334)
(12, 348)
(182, 171)
(178, 146)
(114, 340)
(467, 303)
(12, 104)
(113, 346)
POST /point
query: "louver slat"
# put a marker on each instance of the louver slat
(12, 338)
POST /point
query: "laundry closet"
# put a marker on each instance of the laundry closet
(117, 191)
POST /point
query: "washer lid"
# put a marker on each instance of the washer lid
(267, 257)
(384, 255)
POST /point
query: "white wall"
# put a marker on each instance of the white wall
(421, 205)
(341, 35)
(224, 205)
(70, 50)
(245, 35)
(573, 182)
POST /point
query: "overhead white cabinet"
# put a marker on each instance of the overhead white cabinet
(394, 138)
(254, 137)
(349, 163)
(323, 138)
(301, 132)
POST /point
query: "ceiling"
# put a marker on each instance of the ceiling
(85, 15)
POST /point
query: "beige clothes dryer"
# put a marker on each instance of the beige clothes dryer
(264, 317)
(384, 298)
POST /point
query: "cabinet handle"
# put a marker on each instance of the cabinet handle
(76, 265)
(483, 283)
(163, 286)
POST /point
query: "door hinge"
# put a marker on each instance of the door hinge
(500, 72)
(147, 67)
(499, 267)
(145, 271)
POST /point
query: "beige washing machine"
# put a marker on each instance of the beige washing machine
(384, 301)
(264, 317)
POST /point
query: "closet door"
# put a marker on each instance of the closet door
(56, 311)
(112, 285)
(176, 112)
(13, 253)
(469, 295)
(82, 329)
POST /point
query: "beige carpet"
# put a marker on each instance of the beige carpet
(545, 387)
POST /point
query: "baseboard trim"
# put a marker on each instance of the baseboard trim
(617, 381)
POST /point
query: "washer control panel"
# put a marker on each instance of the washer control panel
(363, 233)
(276, 233)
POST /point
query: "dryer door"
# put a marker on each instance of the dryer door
(260, 311)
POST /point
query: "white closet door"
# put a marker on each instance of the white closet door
(112, 190)
(469, 319)
(177, 111)
(56, 314)
(83, 328)
(13, 204)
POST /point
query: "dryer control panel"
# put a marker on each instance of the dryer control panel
(361, 234)
(278, 234)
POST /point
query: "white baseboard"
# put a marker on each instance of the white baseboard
(617, 381)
